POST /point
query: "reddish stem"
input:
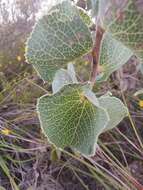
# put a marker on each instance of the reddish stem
(96, 54)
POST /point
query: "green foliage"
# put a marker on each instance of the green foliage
(115, 108)
(63, 77)
(124, 19)
(70, 119)
(59, 37)
(87, 20)
(113, 55)
(73, 116)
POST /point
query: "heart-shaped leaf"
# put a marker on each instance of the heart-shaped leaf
(113, 55)
(59, 37)
(124, 19)
(70, 119)
(115, 108)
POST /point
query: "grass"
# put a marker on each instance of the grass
(24, 148)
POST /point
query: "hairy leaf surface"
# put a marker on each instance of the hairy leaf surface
(113, 55)
(124, 19)
(70, 119)
(115, 108)
(64, 77)
(59, 37)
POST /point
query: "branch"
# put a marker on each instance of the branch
(96, 54)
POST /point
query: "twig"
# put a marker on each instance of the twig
(96, 54)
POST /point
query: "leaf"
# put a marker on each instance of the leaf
(71, 72)
(113, 55)
(86, 18)
(55, 154)
(139, 92)
(94, 6)
(115, 108)
(124, 19)
(64, 77)
(58, 38)
(61, 79)
(69, 119)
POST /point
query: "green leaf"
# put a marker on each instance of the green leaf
(86, 18)
(72, 73)
(70, 119)
(64, 77)
(124, 19)
(58, 38)
(112, 56)
(61, 79)
(115, 108)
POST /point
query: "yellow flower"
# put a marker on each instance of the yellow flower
(141, 103)
(18, 58)
(5, 131)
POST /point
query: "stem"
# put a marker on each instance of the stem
(96, 53)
